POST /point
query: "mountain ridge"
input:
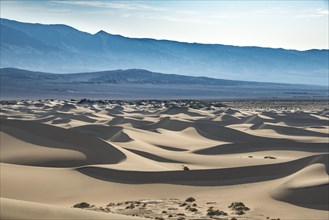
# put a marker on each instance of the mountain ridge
(156, 39)
(74, 51)
(17, 84)
(134, 76)
(140, 74)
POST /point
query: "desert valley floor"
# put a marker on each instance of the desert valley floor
(135, 160)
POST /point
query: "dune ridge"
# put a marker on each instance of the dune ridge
(225, 176)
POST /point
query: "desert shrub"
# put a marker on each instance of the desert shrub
(185, 167)
(183, 204)
(210, 208)
(212, 212)
(131, 206)
(193, 210)
(269, 157)
(190, 199)
(239, 208)
(82, 205)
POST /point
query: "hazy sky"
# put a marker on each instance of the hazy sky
(288, 24)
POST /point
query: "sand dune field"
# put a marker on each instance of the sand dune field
(137, 161)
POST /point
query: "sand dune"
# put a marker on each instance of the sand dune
(306, 187)
(153, 157)
(224, 176)
(285, 130)
(263, 146)
(55, 154)
(17, 209)
(94, 150)
(113, 133)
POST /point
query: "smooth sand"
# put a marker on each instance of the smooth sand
(55, 154)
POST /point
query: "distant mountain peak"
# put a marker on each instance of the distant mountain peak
(101, 32)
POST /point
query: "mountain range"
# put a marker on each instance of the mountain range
(141, 84)
(61, 48)
(130, 76)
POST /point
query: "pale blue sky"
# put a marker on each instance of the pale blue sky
(287, 24)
